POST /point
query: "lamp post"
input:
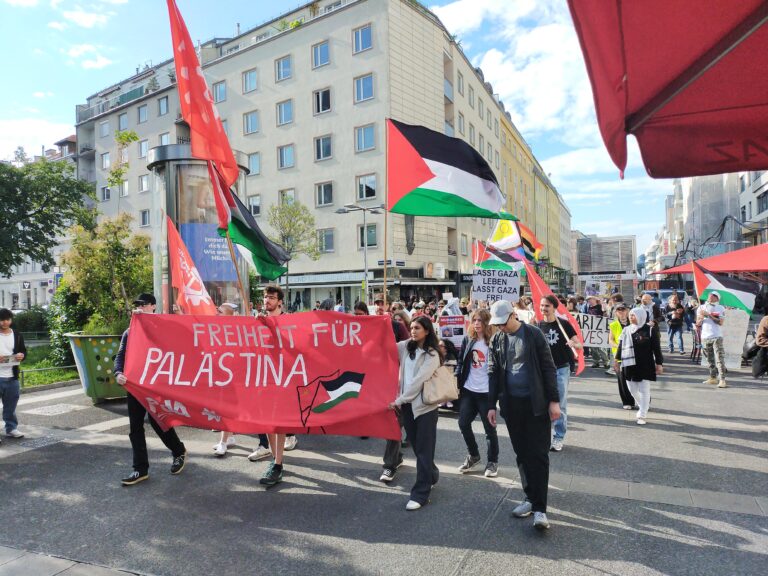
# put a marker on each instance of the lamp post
(373, 210)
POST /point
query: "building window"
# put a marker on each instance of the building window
(142, 114)
(282, 68)
(124, 154)
(460, 83)
(105, 194)
(124, 189)
(364, 138)
(105, 164)
(363, 39)
(364, 88)
(497, 159)
(461, 123)
(481, 108)
(144, 183)
(743, 213)
(251, 122)
(284, 112)
(370, 236)
(749, 210)
(471, 97)
(122, 122)
(496, 130)
(762, 202)
(489, 118)
(287, 196)
(220, 91)
(162, 106)
(254, 204)
(463, 245)
(325, 240)
(490, 152)
(165, 139)
(285, 157)
(250, 80)
(143, 148)
(254, 164)
(324, 194)
(366, 187)
(323, 149)
(104, 129)
(481, 145)
(320, 54)
(144, 217)
(321, 100)
(471, 134)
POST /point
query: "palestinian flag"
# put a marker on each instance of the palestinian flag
(486, 257)
(733, 292)
(345, 386)
(430, 174)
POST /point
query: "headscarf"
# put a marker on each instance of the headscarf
(452, 308)
(642, 318)
(625, 340)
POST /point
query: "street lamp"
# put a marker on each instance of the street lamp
(373, 210)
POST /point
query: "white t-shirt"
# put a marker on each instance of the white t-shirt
(526, 316)
(477, 380)
(6, 349)
(409, 369)
(709, 329)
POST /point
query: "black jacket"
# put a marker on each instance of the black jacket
(647, 355)
(120, 358)
(18, 347)
(464, 363)
(544, 385)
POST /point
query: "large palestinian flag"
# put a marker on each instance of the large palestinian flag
(733, 292)
(487, 257)
(430, 174)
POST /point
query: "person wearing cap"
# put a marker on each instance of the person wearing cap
(144, 304)
(621, 321)
(710, 317)
(522, 377)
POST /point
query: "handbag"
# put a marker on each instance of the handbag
(441, 387)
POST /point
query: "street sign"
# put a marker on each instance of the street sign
(26, 285)
(389, 262)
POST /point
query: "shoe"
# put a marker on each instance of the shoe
(523, 509)
(469, 463)
(595, 365)
(610, 372)
(720, 384)
(491, 470)
(710, 381)
(557, 445)
(641, 421)
(273, 475)
(290, 443)
(682, 352)
(412, 505)
(231, 441)
(220, 449)
(178, 463)
(134, 478)
(260, 453)
(16, 434)
(540, 521)
(387, 475)
(627, 407)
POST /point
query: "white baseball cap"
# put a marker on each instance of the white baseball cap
(500, 312)
(229, 305)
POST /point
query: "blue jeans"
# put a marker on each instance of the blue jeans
(671, 331)
(561, 424)
(9, 393)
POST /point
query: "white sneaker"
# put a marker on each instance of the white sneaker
(540, 521)
(260, 453)
(290, 443)
(710, 381)
(641, 421)
(720, 384)
(15, 433)
(220, 449)
(557, 444)
(412, 505)
(231, 441)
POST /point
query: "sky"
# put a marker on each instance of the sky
(58, 52)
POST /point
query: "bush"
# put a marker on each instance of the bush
(33, 320)
(97, 325)
(65, 314)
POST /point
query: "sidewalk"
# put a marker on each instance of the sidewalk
(17, 563)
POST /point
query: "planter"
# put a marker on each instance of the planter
(95, 358)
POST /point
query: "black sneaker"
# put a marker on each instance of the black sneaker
(388, 474)
(469, 463)
(134, 478)
(272, 476)
(178, 464)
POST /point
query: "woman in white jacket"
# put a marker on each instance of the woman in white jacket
(419, 357)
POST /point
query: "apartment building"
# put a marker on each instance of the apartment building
(610, 259)
(753, 202)
(304, 98)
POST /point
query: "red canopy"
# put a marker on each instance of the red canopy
(752, 259)
(688, 78)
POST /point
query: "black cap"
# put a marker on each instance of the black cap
(620, 306)
(144, 299)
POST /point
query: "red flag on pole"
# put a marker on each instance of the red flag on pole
(209, 141)
(539, 289)
(192, 298)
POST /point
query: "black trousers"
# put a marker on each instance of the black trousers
(472, 404)
(531, 439)
(392, 454)
(136, 415)
(626, 396)
(422, 432)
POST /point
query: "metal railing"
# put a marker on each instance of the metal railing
(42, 335)
(28, 370)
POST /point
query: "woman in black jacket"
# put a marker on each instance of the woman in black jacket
(640, 353)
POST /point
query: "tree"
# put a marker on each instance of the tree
(39, 201)
(294, 228)
(124, 138)
(108, 267)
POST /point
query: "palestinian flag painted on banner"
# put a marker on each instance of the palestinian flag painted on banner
(431, 174)
(488, 258)
(733, 292)
(346, 385)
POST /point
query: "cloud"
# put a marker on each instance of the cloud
(31, 133)
(22, 3)
(85, 19)
(96, 63)
(585, 196)
(78, 50)
(38, 52)
(42, 94)
(57, 25)
(88, 55)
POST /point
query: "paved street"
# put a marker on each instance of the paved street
(687, 494)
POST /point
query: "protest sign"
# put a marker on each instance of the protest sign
(734, 331)
(495, 285)
(451, 328)
(595, 330)
(308, 373)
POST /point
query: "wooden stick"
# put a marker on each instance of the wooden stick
(246, 300)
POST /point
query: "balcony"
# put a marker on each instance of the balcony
(448, 91)
(86, 149)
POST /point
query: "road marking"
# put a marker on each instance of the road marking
(37, 397)
(104, 426)
(54, 409)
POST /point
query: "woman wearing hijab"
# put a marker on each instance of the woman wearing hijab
(639, 351)
(621, 321)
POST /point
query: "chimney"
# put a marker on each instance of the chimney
(238, 29)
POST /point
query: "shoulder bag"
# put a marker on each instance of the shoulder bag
(440, 388)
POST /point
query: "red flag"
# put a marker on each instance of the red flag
(538, 290)
(209, 141)
(192, 298)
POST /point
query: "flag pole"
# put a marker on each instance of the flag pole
(243, 295)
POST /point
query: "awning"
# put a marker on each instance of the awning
(687, 78)
(752, 259)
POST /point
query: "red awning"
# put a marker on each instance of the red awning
(752, 259)
(688, 78)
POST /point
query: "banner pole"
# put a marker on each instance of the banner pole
(246, 300)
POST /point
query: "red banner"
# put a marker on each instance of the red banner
(192, 296)
(308, 373)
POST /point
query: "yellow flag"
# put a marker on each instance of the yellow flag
(505, 236)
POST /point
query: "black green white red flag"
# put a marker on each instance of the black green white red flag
(486, 257)
(431, 174)
(733, 292)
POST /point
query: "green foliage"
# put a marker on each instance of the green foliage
(294, 226)
(42, 357)
(295, 24)
(119, 169)
(39, 201)
(108, 267)
(33, 320)
(98, 325)
(66, 313)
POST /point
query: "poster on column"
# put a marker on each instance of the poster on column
(495, 285)
(208, 251)
(451, 328)
(595, 330)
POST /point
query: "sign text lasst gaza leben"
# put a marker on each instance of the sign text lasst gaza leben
(496, 285)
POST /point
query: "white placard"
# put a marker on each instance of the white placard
(595, 330)
(495, 285)
(734, 335)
